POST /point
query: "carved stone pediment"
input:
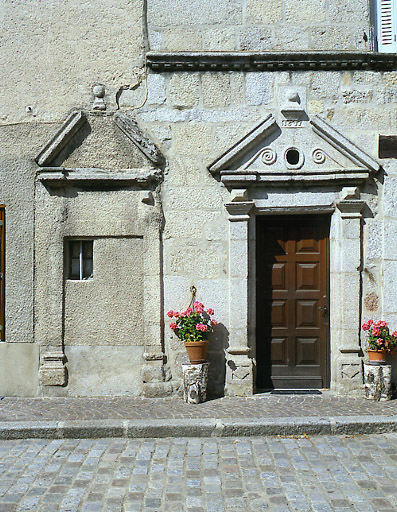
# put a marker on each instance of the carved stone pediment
(293, 152)
(100, 140)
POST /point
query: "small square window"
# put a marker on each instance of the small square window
(80, 259)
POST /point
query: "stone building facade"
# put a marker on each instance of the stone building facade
(245, 148)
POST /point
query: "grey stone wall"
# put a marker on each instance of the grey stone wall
(52, 55)
(257, 25)
(53, 52)
(201, 115)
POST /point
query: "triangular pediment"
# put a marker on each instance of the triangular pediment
(295, 151)
(98, 140)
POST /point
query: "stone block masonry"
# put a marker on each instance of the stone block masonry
(257, 25)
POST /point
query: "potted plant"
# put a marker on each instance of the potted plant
(193, 326)
(380, 341)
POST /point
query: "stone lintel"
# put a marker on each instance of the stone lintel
(294, 210)
(271, 61)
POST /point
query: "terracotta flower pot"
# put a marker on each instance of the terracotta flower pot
(197, 351)
(376, 356)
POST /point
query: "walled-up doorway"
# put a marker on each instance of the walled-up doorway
(292, 290)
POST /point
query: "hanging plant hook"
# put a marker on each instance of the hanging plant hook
(193, 291)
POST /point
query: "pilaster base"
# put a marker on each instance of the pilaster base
(155, 376)
(52, 370)
(349, 374)
(239, 376)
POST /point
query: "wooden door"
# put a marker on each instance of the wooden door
(292, 325)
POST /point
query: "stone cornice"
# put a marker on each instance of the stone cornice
(270, 61)
(61, 176)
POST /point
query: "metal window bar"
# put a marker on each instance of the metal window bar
(81, 259)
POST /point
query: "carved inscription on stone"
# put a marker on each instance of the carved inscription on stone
(291, 123)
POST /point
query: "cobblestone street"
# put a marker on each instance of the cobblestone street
(135, 408)
(319, 473)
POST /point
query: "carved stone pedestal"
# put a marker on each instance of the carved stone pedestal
(377, 381)
(195, 377)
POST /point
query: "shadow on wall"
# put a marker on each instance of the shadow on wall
(218, 343)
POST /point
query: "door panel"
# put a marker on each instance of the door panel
(292, 349)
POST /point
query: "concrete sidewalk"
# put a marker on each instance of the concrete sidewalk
(262, 414)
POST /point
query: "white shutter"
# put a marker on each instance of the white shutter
(386, 25)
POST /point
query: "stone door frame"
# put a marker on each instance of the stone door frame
(346, 209)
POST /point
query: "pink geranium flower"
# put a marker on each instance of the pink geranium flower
(193, 324)
(198, 307)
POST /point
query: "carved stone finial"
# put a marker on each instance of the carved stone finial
(292, 102)
(99, 93)
(293, 97)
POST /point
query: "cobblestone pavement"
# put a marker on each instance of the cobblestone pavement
(319, 474)
(258, 406)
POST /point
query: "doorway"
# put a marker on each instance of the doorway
(292, 302)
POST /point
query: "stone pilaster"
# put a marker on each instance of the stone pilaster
(348, 366)
(155, 373)
(239, 377)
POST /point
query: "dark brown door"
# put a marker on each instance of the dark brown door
(292, 259)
